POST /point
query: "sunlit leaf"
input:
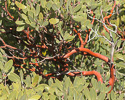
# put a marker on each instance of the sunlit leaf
(24, 16)
(0, 22)
(34, 97)
(119, 56)
(78, 7)
(45, 23)
(68, 37)
(8, 65)
(40, 16)
(54, 6)
(78, 18)
(37, 9)
(14, 77)
(20, 23)
(20, 28)
(54, 21)
(20, 5)
(35, 80)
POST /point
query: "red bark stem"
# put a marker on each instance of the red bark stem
(97, 55)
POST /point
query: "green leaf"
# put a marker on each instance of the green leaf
(94, 83)
(12, 95)
(27, 21)
(102, 87)
(12, 70)
(78, 18)
(58, 84)
(44, 52)
(24, 97)
(93, 94)
(118, 20)
(54, 21)
(68, 37)
(1, 66)
(40, 16)
(119, 56)
(87, 94)
(35, 80)
(2, 51)
(0, 22)
(78, 7)
(20, 23)
(119, 42)
(67, 82)
(33, 24)
(79, 88)
(54, 6)
(45, 23)
(106, 7)
(99, 85)
(14, 77)
(101, 96)
(28, 81)
(2, 58)
(52, 97)
(83, 27)
(37, 28)
(78, 81)
(50, 81)
(37, 10)
(25, 10)
(2, 30)
(121, 97)
(107, 89)
(20, 28)
(123, 18)
(31, 19)
(24, 16)
(34, 97)
(57, 41)
(121, 64)
(19, 5)
(89, 25)
(8, 65)
(45, 96)
(21, 75)
(113, 96)
(9, 2)
(41, 87)
(43, 3)
(49, 5)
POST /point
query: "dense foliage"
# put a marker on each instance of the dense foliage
(42, 41)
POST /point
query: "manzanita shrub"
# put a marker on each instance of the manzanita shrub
(41, 41)
(32, 87)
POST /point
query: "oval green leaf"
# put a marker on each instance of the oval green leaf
(8, 65)
(54, 21)
(34, 97)
(20, 28)
(14, 77)
(35, 80)
(20, 23)
(37, 10)
(20, 5)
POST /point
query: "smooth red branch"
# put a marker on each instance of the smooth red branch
(8, 11)
(107, 17)
(86, 73)
(97, 74)
(97, 55)
(112, 78)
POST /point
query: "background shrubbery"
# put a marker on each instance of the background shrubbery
(41, 43)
